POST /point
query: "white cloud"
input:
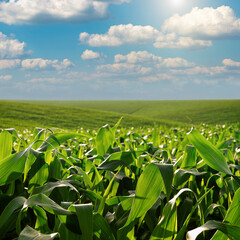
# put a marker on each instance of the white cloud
(66, 63)
(149, 58)
(118, 35)
(124, 68)
(5, 77)
(10, 47)
(155, 78)
(199, 70)
(121, 34)
(171, 40)
(89, 54)
(137, 57)
(207, 22)
(9, 63)
(230, 63)
(35, 63)
(53, 11)
(39, 63)
(46, 80)
(176, 63)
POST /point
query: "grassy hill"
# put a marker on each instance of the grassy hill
(27, 116)
(93, 114)
(184, 111)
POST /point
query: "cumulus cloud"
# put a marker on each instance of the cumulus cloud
(137, 57)
(54, 11)
(231, 63)
(146, 67)
(39, 63)
(124, 68)
(145, 57)
(207, 22)
(89, 54)
(9, 63)
(171, 40)
(121, 34)
(118, 35)
(35, 63)
(176, 63)
(10, 47)
(5, 77)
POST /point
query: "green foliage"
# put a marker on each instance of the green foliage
(120, 183)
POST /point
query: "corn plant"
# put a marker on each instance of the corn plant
(116, 183)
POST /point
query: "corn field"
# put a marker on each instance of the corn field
(116, 183)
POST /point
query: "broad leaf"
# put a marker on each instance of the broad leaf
(102, 230)
(232, 216)
(210, 154)
(104, 139)
(47, 203)
(55, 140)
(12, 167)
(85, 218)
(149, 187)
(5, 144)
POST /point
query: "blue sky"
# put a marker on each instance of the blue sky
(119, 49)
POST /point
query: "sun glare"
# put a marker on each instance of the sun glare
(177, 3)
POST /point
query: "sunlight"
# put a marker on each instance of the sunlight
(177, 3)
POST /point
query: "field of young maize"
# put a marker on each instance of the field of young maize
(118, 183)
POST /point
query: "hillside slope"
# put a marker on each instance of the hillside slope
(25, 115)
(184, 111)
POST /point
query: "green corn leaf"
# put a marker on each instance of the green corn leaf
(48, 187)
(64, 232)
(40, 177)
(29, 233)
(86, 178)
(181, 176)
(119, 159)
(212, 207)
(167, 175)
(56, 139)
(212, 156)
(114, 129)
(232, 216)
(167, 226)
(47, 203)
(149, 187)
(101, 228)
(12, 167)
(189, 158)
(182, 231)
(8, 215)
(104, 139)
(228, 230)
(41, 224)
(106, 193)
(5, 144)
(85, 218)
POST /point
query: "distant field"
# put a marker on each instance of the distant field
(185, 111)
(26, 115)
(93, 114)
